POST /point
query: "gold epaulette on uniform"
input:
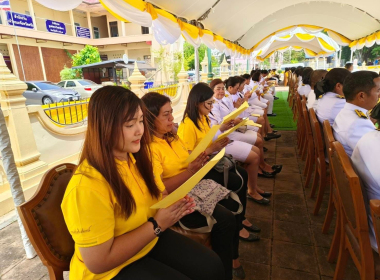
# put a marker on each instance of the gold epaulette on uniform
(361, 114)
(226, 95)
(340, 96)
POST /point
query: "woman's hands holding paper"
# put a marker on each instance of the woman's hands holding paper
(166, 217)
(217, 146)
(237, 121)
(227, 126)
(197, 164)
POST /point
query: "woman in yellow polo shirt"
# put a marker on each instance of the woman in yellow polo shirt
(195, 125)
(170, 154)
(107, 203)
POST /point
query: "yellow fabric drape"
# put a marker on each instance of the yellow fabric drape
(192, 30)
(325, 45)
(305, 37)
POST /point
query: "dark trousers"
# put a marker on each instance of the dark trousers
(175, 257)
(225, 233)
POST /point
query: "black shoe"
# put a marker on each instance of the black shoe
(265, 149)
(266, 194)
(263, 201)
(251, 238)
(272, 115)
(275, 97)
(238, 272)
(277, 168)
(265, 174)
(272, 125)
(274, 131)
(271, 136)
(252, 228)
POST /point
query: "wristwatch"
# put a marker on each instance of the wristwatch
(156, 227)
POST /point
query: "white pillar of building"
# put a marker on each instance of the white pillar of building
(13, 60)
(72, 23)
(123, 31)
(31, 12)
(89, 23)
(196, 64)
(42, 63)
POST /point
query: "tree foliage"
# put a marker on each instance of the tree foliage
(189, 56)
(171, 62)
(87, 55)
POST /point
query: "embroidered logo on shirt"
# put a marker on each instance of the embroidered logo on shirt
(361, 114)
(340, 96)
(82, 230)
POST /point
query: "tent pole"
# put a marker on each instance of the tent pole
(340, 57)
(196, 64)
(210, 75)
(352, 55)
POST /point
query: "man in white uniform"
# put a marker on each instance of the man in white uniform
(362, 90)
(366, 161)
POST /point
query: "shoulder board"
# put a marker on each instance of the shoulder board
(340, 96)
(226, 95)
(320, 97)
(361, 114)
(303, 84)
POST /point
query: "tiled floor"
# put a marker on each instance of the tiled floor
(292, 246)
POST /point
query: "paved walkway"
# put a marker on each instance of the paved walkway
(292, 245)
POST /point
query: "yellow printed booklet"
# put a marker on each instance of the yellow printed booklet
(203, 144)
(233, 115)
(232, 129)
(186, 187)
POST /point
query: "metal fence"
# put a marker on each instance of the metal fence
(67, 113)
(170, 90)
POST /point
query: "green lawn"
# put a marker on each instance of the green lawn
(284, 118)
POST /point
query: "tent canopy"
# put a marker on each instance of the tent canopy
(245, 21)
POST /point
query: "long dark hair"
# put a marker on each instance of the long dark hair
(109, 108)
(375, 113)
(201, 92)
(231, 82)
(256, 77)
(153, 102)
(306, 75)
(333, 77)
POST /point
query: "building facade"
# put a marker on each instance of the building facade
(36, 41)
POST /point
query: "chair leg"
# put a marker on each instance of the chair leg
(308, 161)
(315, 182)
(310, 169)
(330, 210)
(335, 243)
(304, 149)
(321, 192)
(342, 262)
(55, 273)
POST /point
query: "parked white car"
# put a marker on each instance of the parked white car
(85, 87)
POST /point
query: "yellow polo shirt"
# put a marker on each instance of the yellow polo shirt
(91, 213)
(169, 159)
(190, 134)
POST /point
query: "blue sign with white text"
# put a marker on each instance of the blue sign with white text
(55, 26)
(83, 32)
(20, 20)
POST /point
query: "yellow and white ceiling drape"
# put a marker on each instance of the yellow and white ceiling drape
(167, 28)
(313, 44)
(368, 41)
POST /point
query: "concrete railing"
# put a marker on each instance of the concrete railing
(39, 138)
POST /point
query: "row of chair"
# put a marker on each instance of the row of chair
(327, 159)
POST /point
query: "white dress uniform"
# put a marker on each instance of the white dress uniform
(229, 100)
(254, 99)
(239, 149)
(311, 101)
(253, 109)
(304, 90)
(350, 125)
(268, 96)
(366, 162)
(329, 107)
